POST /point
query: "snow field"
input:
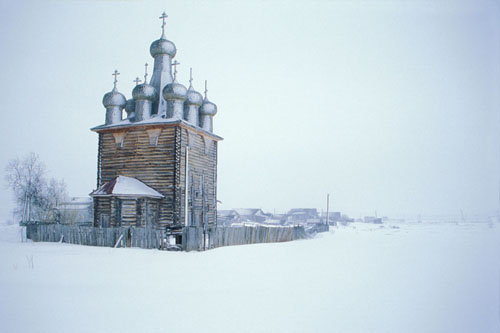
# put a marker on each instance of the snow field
(359, 278)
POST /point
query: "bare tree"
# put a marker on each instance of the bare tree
(53, 194)
(36, 198)
(26, 179)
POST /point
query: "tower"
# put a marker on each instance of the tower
(157, 168)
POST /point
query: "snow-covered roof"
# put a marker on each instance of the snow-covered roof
(126, 186)
(247, 211)
(155, 120)
(227, 213)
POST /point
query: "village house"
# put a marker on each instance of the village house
(372, 219)
(302, 216)
(251, 214)
(227, 217)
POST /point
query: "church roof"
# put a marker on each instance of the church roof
(126, 186)
(156, 120)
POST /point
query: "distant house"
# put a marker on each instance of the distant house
(332, 216)
(309, 212)
(301, 215)
(372, 219)
(336, 217)
(314, 221)
(273, 221)
(252, 214)
(280, 217)
(77, 210)
(227, 217)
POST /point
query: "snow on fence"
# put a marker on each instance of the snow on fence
(193, 238)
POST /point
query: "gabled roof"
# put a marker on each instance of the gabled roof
(225, 213)
(248, 211)
(126, 187)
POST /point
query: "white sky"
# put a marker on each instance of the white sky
(391, 106)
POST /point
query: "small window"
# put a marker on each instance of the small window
(119, 139)
(154, 135)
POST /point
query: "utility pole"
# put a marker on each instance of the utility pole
(327, 207)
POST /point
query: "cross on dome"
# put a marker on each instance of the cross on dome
(115, 74)
(175, 63)
(146, 73)
(163, 17)
(206, 90)
(190, 77)
(137, 80)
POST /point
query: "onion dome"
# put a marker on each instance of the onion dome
(163, 46)
(174, 90)
(208, 108)
(193, 97)
(130, 106)
(144, 91)
(114, 98)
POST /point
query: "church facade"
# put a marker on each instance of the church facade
(157, 167)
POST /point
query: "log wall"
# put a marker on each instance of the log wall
(202, 178)
(156, 156)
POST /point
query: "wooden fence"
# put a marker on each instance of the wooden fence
(127, 237)
(197, 240)
(193, 238)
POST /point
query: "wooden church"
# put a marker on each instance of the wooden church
(157, 167)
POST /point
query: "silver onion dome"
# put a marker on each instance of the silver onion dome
(208, 108)
(162, 46)
(144, 91)
(174, 90)
(193, 97)
(130, 106)
(114, 98)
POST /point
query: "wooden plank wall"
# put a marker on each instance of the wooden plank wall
(129, 212)
(153, 238)
(229, 236)
(154, 165)
(162, 167)
(202, 164)
(135, 237)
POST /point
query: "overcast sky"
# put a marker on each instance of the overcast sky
(390, 106)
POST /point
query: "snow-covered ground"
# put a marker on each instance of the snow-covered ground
(360, 278)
